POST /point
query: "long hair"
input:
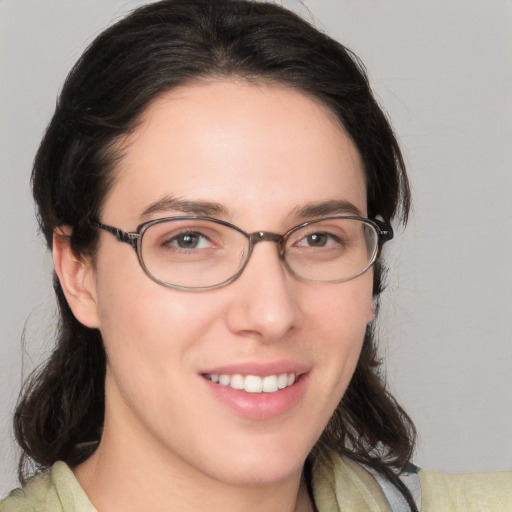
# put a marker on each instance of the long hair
(160, 46)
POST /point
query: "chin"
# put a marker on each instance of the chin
(260, 463)
(269, 473)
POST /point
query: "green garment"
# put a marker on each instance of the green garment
(339, 485)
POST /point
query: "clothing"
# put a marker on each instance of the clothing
(339, 485)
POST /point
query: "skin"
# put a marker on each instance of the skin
(262, 152)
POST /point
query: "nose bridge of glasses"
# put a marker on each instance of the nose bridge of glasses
(266, 236)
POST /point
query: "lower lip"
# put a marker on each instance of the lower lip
(260, 406)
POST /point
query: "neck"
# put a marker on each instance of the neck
(115, 486)
(129, 473)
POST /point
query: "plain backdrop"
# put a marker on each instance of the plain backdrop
(442, 71)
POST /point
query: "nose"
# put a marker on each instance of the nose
(264, 304)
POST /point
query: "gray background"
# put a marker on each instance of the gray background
(442, 71)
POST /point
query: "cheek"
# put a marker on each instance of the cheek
(148, 329)
(340, 318)
(130, 317)
(131, 307)
(149, 334)
(343, 308)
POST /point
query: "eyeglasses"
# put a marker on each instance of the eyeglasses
(196, 253)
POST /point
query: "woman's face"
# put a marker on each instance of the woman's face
(256, 156)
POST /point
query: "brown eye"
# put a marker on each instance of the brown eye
(317, 240)
(188, 241)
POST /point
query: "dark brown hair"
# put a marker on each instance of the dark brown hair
(160, 46)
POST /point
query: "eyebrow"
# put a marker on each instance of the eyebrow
(324, 208)
(212, 209)
(197, 207)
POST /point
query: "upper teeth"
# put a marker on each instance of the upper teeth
(254, 383)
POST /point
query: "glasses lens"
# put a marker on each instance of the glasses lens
(192, 253)
(331, 250)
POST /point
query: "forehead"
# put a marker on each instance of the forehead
(250, 147)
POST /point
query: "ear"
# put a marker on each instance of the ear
(76, 277)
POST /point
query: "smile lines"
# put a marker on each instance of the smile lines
(254, 383)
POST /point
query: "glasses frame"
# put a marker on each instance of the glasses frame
(134, 238)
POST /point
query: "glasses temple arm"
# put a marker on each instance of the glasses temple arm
(122, 236)
(385, 231)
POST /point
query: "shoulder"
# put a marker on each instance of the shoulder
(460, 492)
(339, 483)
(53, 491)
(34, 496)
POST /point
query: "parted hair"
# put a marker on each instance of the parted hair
(157, 47)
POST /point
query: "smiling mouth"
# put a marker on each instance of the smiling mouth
(254, 383)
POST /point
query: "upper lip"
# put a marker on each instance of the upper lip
(259, 368)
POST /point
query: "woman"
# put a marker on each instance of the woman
(228, 362)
